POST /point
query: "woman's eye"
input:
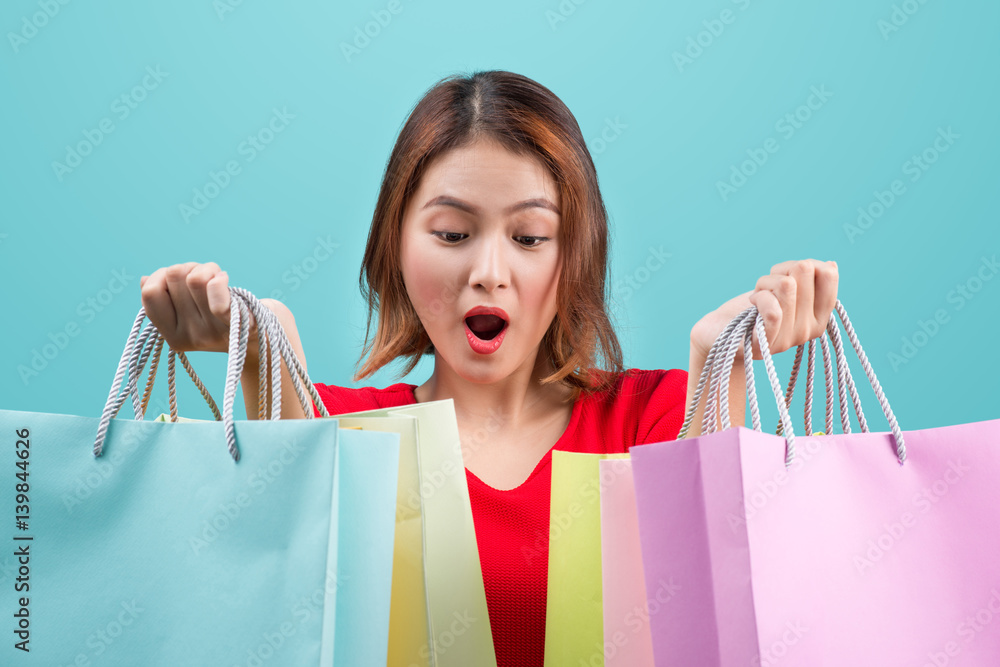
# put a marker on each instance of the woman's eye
(531, 241)
(449, 237)
(453, 238)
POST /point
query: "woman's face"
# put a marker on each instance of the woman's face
(482, 230)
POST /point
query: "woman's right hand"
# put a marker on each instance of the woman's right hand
(189, 305)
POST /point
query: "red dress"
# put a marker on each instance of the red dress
(512, 526)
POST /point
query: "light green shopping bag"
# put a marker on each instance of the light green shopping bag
(574, 615)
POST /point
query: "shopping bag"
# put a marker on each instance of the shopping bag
(574, 632)
(438, 615)
(153, 546)
(365, 509)
(409, 629)
(627, 642)
(834, 549)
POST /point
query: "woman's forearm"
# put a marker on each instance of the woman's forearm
(291, 408)
(737, 392)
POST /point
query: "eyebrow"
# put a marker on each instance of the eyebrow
(538, 202)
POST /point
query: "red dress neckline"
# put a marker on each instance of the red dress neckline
(542, 462)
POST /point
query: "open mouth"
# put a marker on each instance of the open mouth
(486, 327)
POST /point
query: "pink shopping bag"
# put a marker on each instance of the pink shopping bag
(849, 549)
(627, 641)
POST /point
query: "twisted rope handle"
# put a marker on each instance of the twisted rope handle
(828, 371)
(720, 379)
(300, 380)
(140, 345)
(718, 368)
(790, 390)
(172, 385)
(876, 387)
(748, 371)
(147, 343)
(723, 364)
(110, 407)
(150, 343)
(713, 372)
(755, 324)
(152, 374)
(706, 369)
(844, 377)
(810, 374)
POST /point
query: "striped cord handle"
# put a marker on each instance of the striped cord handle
(273, 347)
(718, 368)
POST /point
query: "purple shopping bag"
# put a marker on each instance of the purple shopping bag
(823, 550)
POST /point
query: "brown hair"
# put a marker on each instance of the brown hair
(528, 119)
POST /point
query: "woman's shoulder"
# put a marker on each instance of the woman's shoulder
(647, 405)
(339, 400)
(637, 384)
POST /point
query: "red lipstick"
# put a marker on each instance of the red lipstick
(485, 327)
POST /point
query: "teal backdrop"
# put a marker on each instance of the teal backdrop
(728, 135)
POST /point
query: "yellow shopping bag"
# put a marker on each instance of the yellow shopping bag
(574, 621)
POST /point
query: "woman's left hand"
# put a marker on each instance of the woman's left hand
(795, 300)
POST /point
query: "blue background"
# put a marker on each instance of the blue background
(682, 127)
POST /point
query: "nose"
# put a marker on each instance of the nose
(490, 267)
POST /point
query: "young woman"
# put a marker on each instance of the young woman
(488, 249)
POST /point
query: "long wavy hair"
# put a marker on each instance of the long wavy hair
(529, 120)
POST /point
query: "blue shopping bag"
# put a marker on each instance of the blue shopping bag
(167, 550)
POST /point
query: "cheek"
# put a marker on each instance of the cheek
(545, 287)
(427, 284)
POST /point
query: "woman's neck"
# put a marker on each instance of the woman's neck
(518, 400)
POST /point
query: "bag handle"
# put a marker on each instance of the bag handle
(876, 387)
(843, 377)
(844, 380)
(140, 345)
(720, 372)
(718, 367)
(276, 337)
(713, 352)
(150, 343)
